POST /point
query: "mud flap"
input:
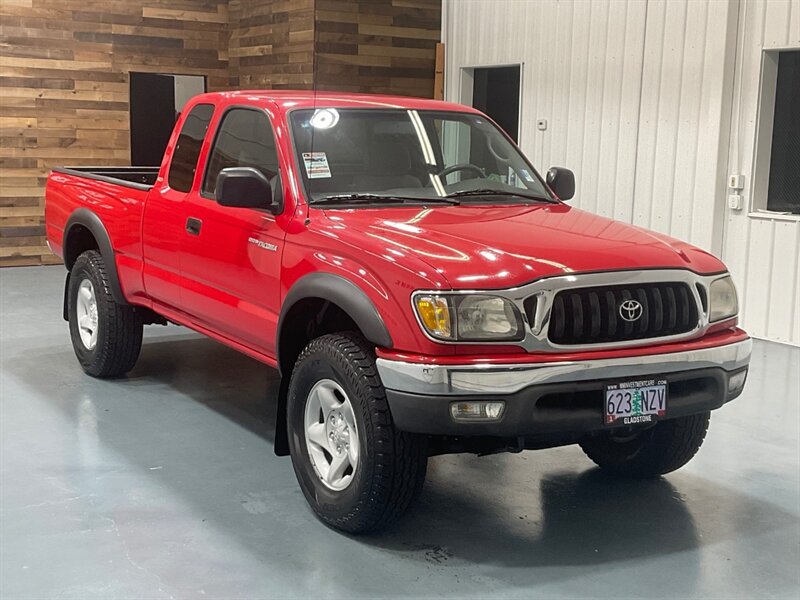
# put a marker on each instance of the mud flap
(66, 298)
(281, 432)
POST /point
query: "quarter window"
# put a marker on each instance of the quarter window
(245, 139)
(190, 139)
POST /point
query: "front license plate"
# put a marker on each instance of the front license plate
(633, 402)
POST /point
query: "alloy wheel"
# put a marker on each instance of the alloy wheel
(86, 307)
(331, 434)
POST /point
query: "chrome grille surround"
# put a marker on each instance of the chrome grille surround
(536, 328)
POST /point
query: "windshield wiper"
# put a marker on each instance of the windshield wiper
(391, 198)
(492, 192)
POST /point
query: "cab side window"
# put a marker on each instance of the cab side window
(190, 139)
(244, 139)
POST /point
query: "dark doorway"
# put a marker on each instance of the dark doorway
(155, 101)
(496, 92)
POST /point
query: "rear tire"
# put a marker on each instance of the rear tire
(106, 336)
(336, 397)
(661, 449)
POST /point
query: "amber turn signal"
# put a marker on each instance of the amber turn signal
(434, 313)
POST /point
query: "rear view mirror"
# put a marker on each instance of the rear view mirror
(562, 182)
(245, 187)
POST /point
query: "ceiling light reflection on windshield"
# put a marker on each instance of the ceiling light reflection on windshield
(324, 118)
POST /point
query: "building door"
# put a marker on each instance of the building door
(495, 91)
(156, 100)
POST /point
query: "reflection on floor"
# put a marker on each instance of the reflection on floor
(164, 484)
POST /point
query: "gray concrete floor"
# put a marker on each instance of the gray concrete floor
(164, 485)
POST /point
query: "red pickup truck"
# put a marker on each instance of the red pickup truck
(420, 287)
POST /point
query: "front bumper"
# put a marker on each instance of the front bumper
(561, 397)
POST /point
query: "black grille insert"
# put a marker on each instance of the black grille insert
(592, 315)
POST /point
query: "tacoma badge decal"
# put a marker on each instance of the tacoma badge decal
(262, 245)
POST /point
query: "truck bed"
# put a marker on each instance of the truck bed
(142, 178)
(116, 196)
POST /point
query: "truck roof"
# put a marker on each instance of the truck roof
(287, 99)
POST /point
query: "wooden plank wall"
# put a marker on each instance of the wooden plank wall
(438, 78)
(377, 46)
(271, 43)
(64, 68)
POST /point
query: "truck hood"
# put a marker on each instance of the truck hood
(504, 246)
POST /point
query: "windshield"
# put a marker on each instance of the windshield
(369, 154)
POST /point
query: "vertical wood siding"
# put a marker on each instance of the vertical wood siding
(638, 95)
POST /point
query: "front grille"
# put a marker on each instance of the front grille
(592, 315)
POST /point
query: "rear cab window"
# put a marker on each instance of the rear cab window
(187, 150)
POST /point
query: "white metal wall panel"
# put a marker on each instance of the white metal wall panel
(581, 71)
(589, 69)
(680, 189)
(762, 253)
(639, 95)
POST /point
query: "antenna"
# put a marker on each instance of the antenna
(313, 91)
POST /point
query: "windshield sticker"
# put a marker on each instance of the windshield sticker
(526, 175)
(316, 165)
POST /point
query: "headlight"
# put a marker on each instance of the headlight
(469, 317)
(722, 302)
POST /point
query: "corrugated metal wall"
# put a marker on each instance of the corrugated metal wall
(762, 253)
(684, 120)
(638, 97)
(581, 71)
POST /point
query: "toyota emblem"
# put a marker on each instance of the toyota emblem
(630, 310)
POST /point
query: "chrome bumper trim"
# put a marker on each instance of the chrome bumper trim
(444, 380)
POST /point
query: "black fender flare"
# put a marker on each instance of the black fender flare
(343, 293)
(88, 219)
(353, 301)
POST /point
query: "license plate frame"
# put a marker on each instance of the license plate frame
(635, 402)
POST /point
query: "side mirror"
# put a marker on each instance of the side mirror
(245, 187)
(562, 182)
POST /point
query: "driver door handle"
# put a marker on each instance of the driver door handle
(193, 225)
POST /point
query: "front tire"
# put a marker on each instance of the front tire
(106, 336)
(661, 449)
(356, 470)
